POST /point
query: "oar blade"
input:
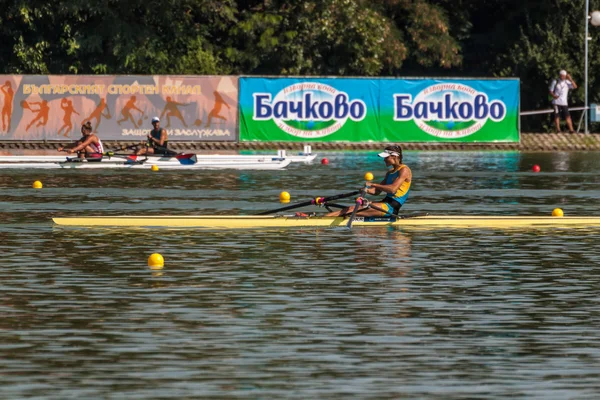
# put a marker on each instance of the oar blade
(186, 159)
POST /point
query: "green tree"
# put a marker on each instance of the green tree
(95, 36)
(327, 37)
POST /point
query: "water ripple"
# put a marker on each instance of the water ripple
(307, 313)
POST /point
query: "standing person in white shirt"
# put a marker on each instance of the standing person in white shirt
(559, 90)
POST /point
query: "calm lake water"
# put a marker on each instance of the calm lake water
(373, 313)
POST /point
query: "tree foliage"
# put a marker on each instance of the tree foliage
(530, 40)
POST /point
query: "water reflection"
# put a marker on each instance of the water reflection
(302, 313)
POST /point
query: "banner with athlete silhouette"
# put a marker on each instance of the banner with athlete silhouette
(53, 107)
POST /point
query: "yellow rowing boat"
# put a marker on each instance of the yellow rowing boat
(277, 221)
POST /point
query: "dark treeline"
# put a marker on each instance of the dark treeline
(528, 39)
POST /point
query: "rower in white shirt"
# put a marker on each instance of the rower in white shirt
(89, 146)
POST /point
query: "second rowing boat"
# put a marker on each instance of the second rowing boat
(176, 161)
(190, 161)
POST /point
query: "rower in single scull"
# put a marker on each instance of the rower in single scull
(157, 140)
(395, 185)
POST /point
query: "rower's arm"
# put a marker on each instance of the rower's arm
(82, 145)
(394, 186)
(163, 137)
(372, 189)
(67, 147)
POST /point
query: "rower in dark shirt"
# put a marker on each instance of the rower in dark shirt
(157, 140)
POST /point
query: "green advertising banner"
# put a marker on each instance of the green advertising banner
(307, 109)
(379, 110)
(449, 110)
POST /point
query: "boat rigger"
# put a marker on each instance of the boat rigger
(282, 221)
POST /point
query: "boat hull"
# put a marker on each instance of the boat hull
(263, 163)
(200, 161)
(270, 221)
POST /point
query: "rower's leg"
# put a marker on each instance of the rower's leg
(343, 211)
(141, 151)
(91, 154)
(383, 209)
(370, 212)
(363, 212)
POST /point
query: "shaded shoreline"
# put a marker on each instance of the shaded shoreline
(529, 142)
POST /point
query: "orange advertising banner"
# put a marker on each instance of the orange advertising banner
(53, 107)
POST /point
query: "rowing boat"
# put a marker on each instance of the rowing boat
(281, 221)
(178, 161)
(192, 161)
(303, 158)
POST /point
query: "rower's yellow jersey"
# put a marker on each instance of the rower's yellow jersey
(402, 193)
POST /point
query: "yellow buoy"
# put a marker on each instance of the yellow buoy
(368, 176)
(284, 197)
(557, 212)
(155, 168)
(156, 261)
(37, 185)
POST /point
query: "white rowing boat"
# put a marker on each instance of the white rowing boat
(181, 162)
(209, 159)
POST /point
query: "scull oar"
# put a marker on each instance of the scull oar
(357, 205)
(359, 199)
(316, 201)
